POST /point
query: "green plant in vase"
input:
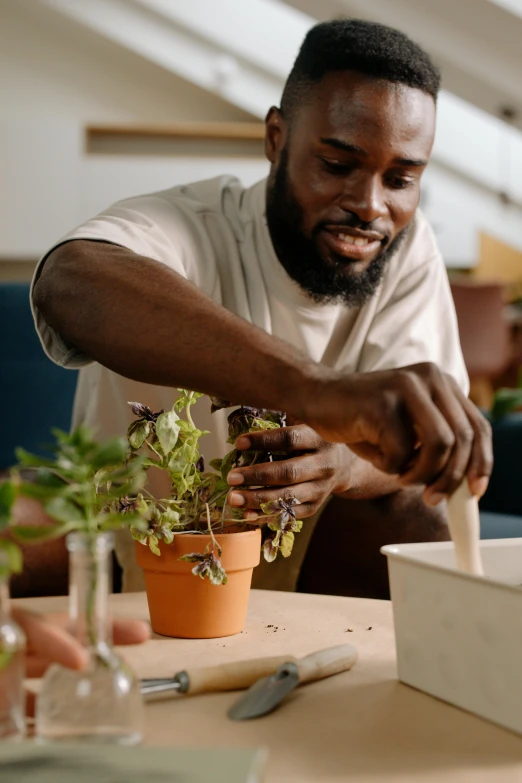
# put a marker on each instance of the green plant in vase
(80, 488)
(170, 441)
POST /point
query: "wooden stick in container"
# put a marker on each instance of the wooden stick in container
(464, 525)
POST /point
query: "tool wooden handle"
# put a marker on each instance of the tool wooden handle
(234, 676)
(464, 526)
(324, 663)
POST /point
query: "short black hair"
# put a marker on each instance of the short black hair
(368, 48)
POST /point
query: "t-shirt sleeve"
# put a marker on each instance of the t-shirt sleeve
(416, 320)
(150, 226)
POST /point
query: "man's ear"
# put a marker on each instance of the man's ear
(275, 134)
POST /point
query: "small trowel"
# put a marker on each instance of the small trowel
(267, 693)
(287, 671)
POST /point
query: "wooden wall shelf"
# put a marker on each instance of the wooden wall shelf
(190, 138)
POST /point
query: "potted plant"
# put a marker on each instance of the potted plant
(80, 488)
(193, 532)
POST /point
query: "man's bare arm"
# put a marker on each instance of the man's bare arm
(144, 321)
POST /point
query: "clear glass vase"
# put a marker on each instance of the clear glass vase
(102, 703)
(12, 670)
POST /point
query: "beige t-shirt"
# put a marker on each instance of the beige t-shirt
(214, 234)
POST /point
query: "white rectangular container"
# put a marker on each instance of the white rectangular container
(459, 637)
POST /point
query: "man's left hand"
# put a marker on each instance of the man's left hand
(49, 641)
(314, 470)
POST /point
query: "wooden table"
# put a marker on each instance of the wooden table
(362, 726)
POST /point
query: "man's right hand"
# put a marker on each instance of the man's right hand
(414, 422)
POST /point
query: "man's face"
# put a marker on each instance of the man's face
(344, 182)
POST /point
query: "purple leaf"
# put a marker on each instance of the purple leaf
(143, 411)
(218, 404)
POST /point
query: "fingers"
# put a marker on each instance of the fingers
(300, 437)
(415, 439)
(455, 444)
(413, 421)
(471, 452)
(130, 631)
(460, 447)
(455, 469)
(285, 473)
(480, 463)
(310, 495)
(308, 478)
(48, 642)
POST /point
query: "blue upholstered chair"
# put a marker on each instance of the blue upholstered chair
(35, 394)
(501, 506)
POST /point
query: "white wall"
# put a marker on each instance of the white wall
(459, 210)
(51, 66)
(56, 77)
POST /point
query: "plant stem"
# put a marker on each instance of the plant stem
(214, 542)
(151, 447)
(187, 410)
(91, 600)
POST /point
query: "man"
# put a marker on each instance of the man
(303, 293)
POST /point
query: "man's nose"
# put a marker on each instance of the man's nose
(365, 197)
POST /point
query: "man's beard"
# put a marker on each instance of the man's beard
(325, 281)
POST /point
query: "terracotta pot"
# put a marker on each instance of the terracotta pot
(184, 605)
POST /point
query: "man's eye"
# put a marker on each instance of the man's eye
(399, 183)
(335, 167)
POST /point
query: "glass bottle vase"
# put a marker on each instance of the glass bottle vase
(12, 669)
(102, 703)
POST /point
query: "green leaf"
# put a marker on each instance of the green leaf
(271, 547)
(287, 544)
(228, 462)
(7, 498)
(217, 573)
(149, 462)
(5, 659)
(194, 557)
(138, 433)
(270, 550)
(167, 430)
(153, 545)
(65, 511)
(12, 558)
(131, 487)
(262, 424)
(28, 534)
(170, 517)
(216, 464)
(505, 401)
(112, 452)
(113, 521)
(186, 399)
(272, 507)
(41, 491)
(28, 460)
(139, 535)
(176, 465)
(44, 477)
(167, 535)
